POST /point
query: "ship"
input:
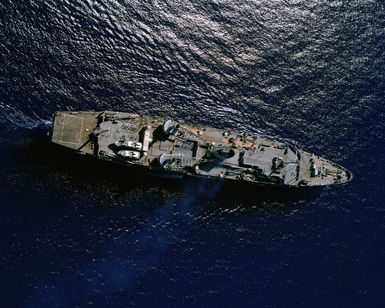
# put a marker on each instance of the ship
(175, 149)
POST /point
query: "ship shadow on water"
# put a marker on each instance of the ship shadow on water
(87, 169)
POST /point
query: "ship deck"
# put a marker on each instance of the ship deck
(73, 130)
(203, 151)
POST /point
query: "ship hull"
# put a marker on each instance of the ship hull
(168, 149)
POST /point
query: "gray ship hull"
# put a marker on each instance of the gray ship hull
(169, 149)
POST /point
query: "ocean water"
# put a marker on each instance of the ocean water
(72, 234)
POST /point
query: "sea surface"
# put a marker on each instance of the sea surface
(306, 71)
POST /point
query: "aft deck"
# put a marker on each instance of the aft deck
(73, 129)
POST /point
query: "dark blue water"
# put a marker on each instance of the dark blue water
(309, 71)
